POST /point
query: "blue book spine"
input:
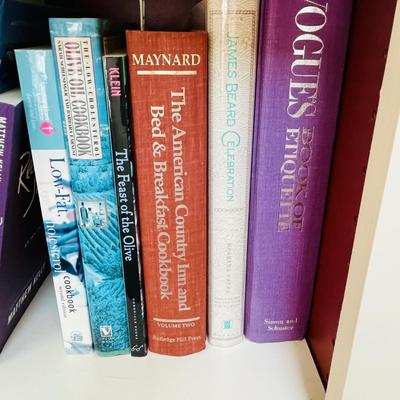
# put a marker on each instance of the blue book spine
(77, 46)
(42, 110)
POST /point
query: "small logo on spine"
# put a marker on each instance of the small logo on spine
(105, 331)
(228, 324)
(137, 348)
(47, 128)
(76, 336)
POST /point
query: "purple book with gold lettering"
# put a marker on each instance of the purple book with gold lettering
(300, 68)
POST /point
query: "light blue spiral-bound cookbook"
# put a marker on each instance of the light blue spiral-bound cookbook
(42, 110)
(77, 47)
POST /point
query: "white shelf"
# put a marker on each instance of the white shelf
(34, 366)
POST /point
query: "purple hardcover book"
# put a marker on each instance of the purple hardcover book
(301, 61)
(23, 249)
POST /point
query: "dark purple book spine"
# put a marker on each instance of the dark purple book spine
(301, 61)
(24, 261)
(7, 112)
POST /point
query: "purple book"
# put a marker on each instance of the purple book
(301, 61)
(23, 249)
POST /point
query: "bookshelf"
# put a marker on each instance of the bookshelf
(367, 350)
(33, 364)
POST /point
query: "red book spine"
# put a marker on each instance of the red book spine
(169, 97)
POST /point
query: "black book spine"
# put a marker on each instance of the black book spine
(117, 84)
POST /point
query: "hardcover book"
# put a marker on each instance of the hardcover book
(77, 47)
(300, 67)
(233, 30)
(39, 90)
(23, 254)
(116, 74)
(366, 61)
(169, 101)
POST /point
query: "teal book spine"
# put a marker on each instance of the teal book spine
(77, 47)
(42, 110)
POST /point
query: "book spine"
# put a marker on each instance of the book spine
(300, 67)
(6, 126)
(233, 29)
(24, 260)
(42, 110)
(77, 48)
(116, 74)
(168, 91)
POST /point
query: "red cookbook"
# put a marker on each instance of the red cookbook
(169, 97)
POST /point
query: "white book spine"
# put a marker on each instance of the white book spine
(42, 110)
(233, 32)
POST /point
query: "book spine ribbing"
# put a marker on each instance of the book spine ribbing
(300, 67)
(233, 29)
(116, 74)
(168, 91)
(42, 110)
(7, 112)
(78, 54)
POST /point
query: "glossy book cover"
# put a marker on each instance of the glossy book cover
(77, 47)
(300, 66)
(38, 85)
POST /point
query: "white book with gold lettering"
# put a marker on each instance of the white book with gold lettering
(233, 31)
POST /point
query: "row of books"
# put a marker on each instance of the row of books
(24, 262)
(185, 152)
